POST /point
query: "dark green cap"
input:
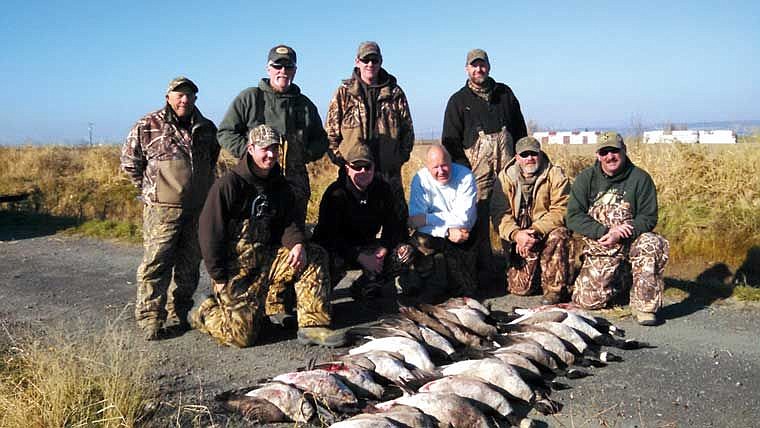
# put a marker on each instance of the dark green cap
(181, 81)
(264, 136)
(610, 139)
(359, 153)
(527, 144)
(282, 54)
(476, 54)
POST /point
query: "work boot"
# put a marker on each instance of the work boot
(152, 332)
(322, 336)
(648, 319)
(283, 319)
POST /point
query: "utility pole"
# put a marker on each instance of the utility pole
(89, 128)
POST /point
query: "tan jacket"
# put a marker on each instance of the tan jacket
(550, 196)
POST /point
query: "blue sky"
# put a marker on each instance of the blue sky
(571, 64)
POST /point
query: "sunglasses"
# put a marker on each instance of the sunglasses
(359, 167)
(607, 150)
(528, 154)
(370, 58)
(281, 66)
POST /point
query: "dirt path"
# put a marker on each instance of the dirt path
(705, 370)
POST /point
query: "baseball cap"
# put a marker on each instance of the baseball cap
(476, 54)
(180, 81)
(368, 48)
(359, 153)
(264, 136)
(527, 144)
(282, 54)
(610, 139)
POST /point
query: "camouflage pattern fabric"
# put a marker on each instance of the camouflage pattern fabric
(450, 271)
(234, 316)
(550, 258)
(169, 272)
(169, 164)
(606, 272)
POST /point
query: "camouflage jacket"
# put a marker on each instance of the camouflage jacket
(550, 195)
(347, 123)
(291, 113)
(171, 166)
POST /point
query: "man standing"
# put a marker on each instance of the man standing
(481, 124)
(442, 209)
(354, 210)
(170, 155)
(279, 103)
(528, 204)
(251, 240)
(613, 205)
(370, 108)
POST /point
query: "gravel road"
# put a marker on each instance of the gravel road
(704, 372)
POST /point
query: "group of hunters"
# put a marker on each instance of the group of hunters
(249, 225)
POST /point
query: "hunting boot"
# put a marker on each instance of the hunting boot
(647, 319)
(321, 336)
(283, 320)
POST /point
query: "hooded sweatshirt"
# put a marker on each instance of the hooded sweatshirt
(239, 196)
(592, 186)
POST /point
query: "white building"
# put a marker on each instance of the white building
(566, 137)
(722, 136)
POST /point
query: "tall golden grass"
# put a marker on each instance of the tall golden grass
(708, 195)
(57, 380)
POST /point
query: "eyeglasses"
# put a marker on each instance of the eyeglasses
(370, 58)
(281, 66)
(361, 167)
(607, 150)
(528, 154)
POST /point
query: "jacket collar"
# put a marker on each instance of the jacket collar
(387, 82)
(244, 169)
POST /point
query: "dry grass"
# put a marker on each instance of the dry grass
(56, 380)
(709, 202)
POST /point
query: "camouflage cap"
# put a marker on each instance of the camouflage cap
(264, 136)
(527, 144)
(368, 48)
(180, 81)
(359, 153)
(282, 54)
(476, 54)
(610, 139)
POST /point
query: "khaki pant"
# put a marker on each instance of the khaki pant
(169, 272)
(234, 316)
(550, 259)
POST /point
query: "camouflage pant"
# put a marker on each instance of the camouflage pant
(234, 316)
(607, 272)
(487, 157)
(168, 274)
(550, 257)
(448, 270)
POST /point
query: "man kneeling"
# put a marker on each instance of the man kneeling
(250, 240)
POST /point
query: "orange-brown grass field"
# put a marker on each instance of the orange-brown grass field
(708, 195)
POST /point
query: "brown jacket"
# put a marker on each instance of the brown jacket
(347, 123)
(171, 166)
(550, 196)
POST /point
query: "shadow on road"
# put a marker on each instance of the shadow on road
(709, 286)
(16, 225)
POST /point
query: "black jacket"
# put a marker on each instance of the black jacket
(231, 201)
(467, 114)
(349, 218)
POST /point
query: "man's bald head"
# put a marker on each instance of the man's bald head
(438, 163)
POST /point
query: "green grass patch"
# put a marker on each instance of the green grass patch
(746, 293)
(108, 229)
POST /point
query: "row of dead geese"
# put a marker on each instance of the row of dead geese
(456, 364)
